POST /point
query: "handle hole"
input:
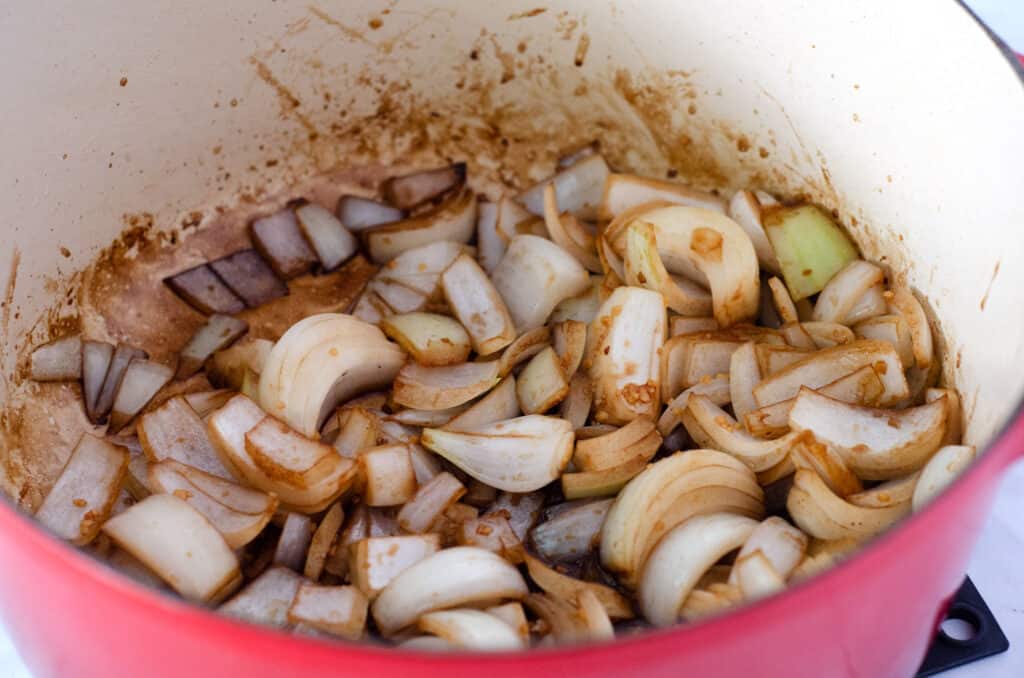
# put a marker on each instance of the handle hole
(962, 625)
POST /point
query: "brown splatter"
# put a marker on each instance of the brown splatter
(349, 32)
(988, 290)
(8, 299)
(289, 102)
(506, 59)
(65, 252)
(124, 81)
(375, 23)
(743, 144)
(581, 49)
(536, 11)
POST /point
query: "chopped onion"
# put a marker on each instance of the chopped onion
(745, 210)
(876, 444)
(293, 543)
(96, 358)
(783, 302)
(201, 289)
(559, 227)
(941, 470)
(605, 482)
(797, 336)
(781, 544)
(441, 388)
(326, 234)
(513, 615)
(429, 338)
(453, 220)
(322, 541)
(578, 189)
(279, 240)
(576, 407)
(218, 333)
(284, 455)
(267, 599)
(471, 630)
(496, 226)
(337, 610)
(681, 325)
(744, 375)
(759, 455)
(521, 510)
(433, 418)
(176, 542)
(717, 390)
(827, 463)
(83, 496)
(410, 190)
(643, 268)
(358, 214)
(954, 417)
(59, 360)
(624, 349)
(358, 429)
(389, 476)
(675, 566)
(205, 402)
(887, 494)
(498, 405)
(228, 367)
(582, 307)
(523, 348)
(827, 334)
(517, 455)
(845, 289)
(493, 533)
(377, 561)
(142, 379)
(821, 513)
(454, 576)
(477, 305)
(756, 576)
(123, 355)
(702, 603)
(892, 329)
(773, 359)
(247, 274)
(573, 533)
(567, 588)
(872, 303)
(175, 431)
(625, 191)
(569, 339)
(430, 501)
(542, 383)
(637, 438)
(906, 305)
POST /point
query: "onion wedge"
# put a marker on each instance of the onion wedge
(758, 454)
(410, 190)
(454, 576)
(267, 599)
(578, 189)
(175, 431)
(59, 360)
(576, 407)
(808, 453)
(643, 268)
(906, 305)
(293, 543)
(177, 542)
(123, 355)
(471, 630)
(96, 359)
(219, 332)
(522, 349)
(605, 482)
(625, 191)
(717, 390)
(745, 210)
(845, 289)
(284, 455)
(513, 615)
(872, 303)
(941, 470)
(328, 237)
(637, 438)
(453, 220)
(429, 338)
(497, 225)
(420, 268)
(573, 532)
(828, 334)
(542, 383)
(142, 379)
(83, 496)
(498, 405)
(337, 610)
(568, 588)
(689, 550)
(887, 494)
(430, 501)
(376, 561)
(249, 276)
(892, 329)
(441, 388)
(478, 305)
(781, 544)
(819, 512)
(358, 214)
(517, 455)
(558, 227)
(876, 444)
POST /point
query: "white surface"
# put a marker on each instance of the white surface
(995, 567)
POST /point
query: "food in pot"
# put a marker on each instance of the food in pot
(543, 416)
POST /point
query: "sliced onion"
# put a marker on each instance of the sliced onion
(892, 329)
(513, 615)
(327, 235)
(479, 495)
(337, 610)
(59, 360)
(142, 379)
(96, 358)
(940, 471)
(675, 566)
(887, 494)
(358, 429)
(782, 545)
(420, 268)
(604, 483)
(705, 360)
(229, 366)
(394, 297)
(294, 541)
(595, 618)
(643, 268)
(279, 240)
(578, 189)
(85, 491)
(267, 599)
(625, 342)
(827, 365)
(744, 375)
(249, 276)
(568, 588)
(876, 444)
(827, 334)
(702, 603)
(521, 510)
(828, 464)
(569, 339)
(783, 302)
(433, 418)
(500, 404)
(219, 332)
(717, 390)
(542, 383)
(454, 576)
(175, 431)
(175, 541)
(844, 290)
(819, 512)
(774, 359)
(954, 417)
(573, 532)
(625, 191)
(872, 303)
(441, 388)
(759, 455)
(517, 455)
(522, 349)
(377, 561)
(410, 190)
(637, 438)
(284, 455)
(478, 305)
(559, 227)
(576, 407)
(745, 210)
(756, 576)
(906, 304)
(358, 214)
(430, 501)
(322, 541)
(204, 291)
(471, 630)
(797, 336)
(429, 338)
(388, 474)
(453, 220)
(497, 225)
(426, 644)
(123, 355)
(205, 402)
(493, 533)
(581, 308)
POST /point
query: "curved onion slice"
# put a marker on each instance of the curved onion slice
(322, 361)
(175, 431)
(576, 407)
(819, 512)
(624, 191)
(85, 491)
(717, 390)
(420, 268)
(376, 561)
(498, 405)
(228, 367)
(569, 339)
(218, 333)
(178, 543)
(906, 304)
(525, 347)
(715, 599)
(568, 588)
(534, 276)
(624, 349)
(828, 365)
(745, 210)
(727, 435)
(783, 302)
(667, 493)
(430, 501)
(142, 380)
(887, 494)
(808, 453)
(573, 532)
(828, 334)
(453, 220)
(643, 268)
(581, 308)
(578, 188)
(781, 544)
(495, 228)
(638, 437)
(282, 454)
(756, 576)
(890, 328)
(59, 360)
(451, 577)
(678, 562)
(359, 214)
(876, 444)
(517, 455)
(605, 482)
(797, 336)
(558, 226)
(410, 190)
(478, 305)
(542, 383)
(430, 339)
(744, 375)
(338, 610)
(941, 470)
(845, 289)
(440, 388)
(471, 629)
(323, 539)
(872, 303)
(266, 599)
(954, 417)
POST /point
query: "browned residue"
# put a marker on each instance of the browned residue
(507, 60)
(349, 32)
(8, 300)
(536, 11)
(988, 290)
(581, 49)
(289, 102)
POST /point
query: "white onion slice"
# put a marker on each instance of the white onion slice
(453, 220)
(441, 388)
(887, 494)
(522, 510)
(781, 544)
(59, 360)
(219, 332)
(821, 513)
(142, 379)
(498, 405)
(842, 293)
(578, 189)
(827, 463)
(625, 191)
(358, 214)
(323, 539)
(513, 615)
(675, 566)
(773, 359)
(478, 305)
(471, 630)
(797, 336)
(954, 416)
(892, 329)
(941, 470)
(123, 355)
(636, 438)
(725, 432)
(284, 455)
(433, 418)
(745, 210)
(229, 366)
(568, 588)
(388, 475)
(83, 496)
(429, 338)
(576, 407)
(175, 541)
(327, 235)
(756, 576)
(205, 402)
(358, 429)
(559, 227)
(266, 599)
(410, 190)
(828, 334)
(643, 268)
(337, 610)
(717, 390)
(294, 541)
(96, 358)
(517, 455)
(454, 576)
(573, 533)
(175, 431)
(582, 307)
(906, 304)
(430, 501)
(569, 339)
(377, 561)
(744, 375)
(420, 268)
(784, 305)
(542, 383)
(522, 349)
(681, 325)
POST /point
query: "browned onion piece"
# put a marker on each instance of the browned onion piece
(59, 360)
(429, 338)
(293, 542)
(522, 510)
(576, 407)
(388, 474)
(327, 236)
(500, 404)
(643, 267)
(718, 390)
(439, 388)
(289, 457)
(773, 359)
(247, 274)
(893, 329)
(566, 588)
(559, 227)
(819, 512)
(229, 366)
(359, 214)
(453, 220)
(681, 325)
(636, 438)
(745, 210)
(872, 303)
(410, 190)
(141, 381)
(625, 191)
(906, 304)
(337, 610)
(96, 357)
(279, 240)
(491, 532)
(219, 332)
(204, 291)
(266, 599)
(323, 538)
(376, 561)
(205, 402)
(123, 355)
(430, 501)
(82, 498)
(358, 429)
(578, 189)
(542, 383)
(572, 532)
(603, 483)
(175, 431)
(783, 302)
